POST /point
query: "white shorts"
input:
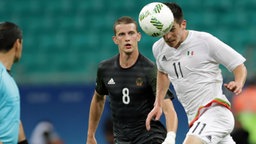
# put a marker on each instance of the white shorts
(214, 126)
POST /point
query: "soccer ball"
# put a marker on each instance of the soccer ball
(156, 19)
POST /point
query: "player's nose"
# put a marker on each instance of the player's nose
(168, 35)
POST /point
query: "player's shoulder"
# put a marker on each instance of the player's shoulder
(4, 77)
(2, 70)
(108, 62)
(200, 35)
(145, 60)
(145, 64)
(158, 46)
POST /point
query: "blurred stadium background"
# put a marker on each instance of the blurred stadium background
(64, 40)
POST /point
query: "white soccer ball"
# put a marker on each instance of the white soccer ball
(156, 19)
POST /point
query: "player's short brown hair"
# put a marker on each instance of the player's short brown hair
(9, 33)
(124, 20)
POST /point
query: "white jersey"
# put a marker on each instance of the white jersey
(193, 69)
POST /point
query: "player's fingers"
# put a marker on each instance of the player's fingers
(230, 86)
(233, 87)
(149, 117)
(237, 91)
(158, 115)
(226, 86)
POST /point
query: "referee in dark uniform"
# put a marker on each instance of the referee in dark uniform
(129, 79)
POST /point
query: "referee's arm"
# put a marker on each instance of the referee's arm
(22, 136)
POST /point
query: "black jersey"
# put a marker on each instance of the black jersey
(131, 93)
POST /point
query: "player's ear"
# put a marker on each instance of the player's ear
(18, 45)
(184, 24)
(114, 39)
(138, 36)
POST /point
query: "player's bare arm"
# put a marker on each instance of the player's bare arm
(22, 136)
(163, 84)
(236, 86)
(96, 109)
(170, 114)
(171, 126)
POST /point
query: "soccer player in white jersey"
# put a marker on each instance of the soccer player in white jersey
(190, 61)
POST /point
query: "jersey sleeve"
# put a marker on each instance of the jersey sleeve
(100, 86)
(224, 54)
(156, 49)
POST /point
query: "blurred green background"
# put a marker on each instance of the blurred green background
(65, 39)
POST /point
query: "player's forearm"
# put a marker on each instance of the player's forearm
(240, 73)
(22, 136)
(171, 121)
(96, 109)
(170, 116)
(163, 84)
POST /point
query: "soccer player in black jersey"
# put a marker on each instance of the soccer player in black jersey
(129, 79)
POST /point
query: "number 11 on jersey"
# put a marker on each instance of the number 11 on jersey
(177, 69)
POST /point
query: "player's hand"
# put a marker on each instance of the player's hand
(155, 114)
(91, 140)
(234, 87)
(170, 138)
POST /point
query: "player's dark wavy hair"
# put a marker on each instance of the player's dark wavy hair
(176, 10)
(124, 20)
(9, 33)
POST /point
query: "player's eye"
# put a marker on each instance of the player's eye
(121, 34)
(172, 30)
(131, 33)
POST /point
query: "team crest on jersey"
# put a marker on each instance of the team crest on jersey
(139, 81)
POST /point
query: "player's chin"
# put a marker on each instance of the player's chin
(128, 51)
(171, 43)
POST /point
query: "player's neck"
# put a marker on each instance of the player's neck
(128, 60)
(184, 37)
(6, 60)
